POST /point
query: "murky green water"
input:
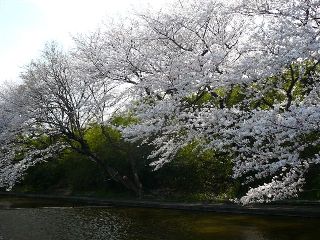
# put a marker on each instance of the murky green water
(81, 223)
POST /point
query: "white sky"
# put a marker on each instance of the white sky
(26, 25)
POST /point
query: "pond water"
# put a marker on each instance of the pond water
(37, 222)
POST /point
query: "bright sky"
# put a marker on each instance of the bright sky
(26, 25)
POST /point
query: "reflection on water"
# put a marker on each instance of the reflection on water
(141, 224)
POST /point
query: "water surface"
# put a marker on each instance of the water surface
(78, 223)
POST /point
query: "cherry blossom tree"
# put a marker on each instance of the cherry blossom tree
(17, 152)
(241, 79)
(59, 101)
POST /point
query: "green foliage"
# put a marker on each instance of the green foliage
(108, 145)
(197, 170)
(312, 149)
(42, 177)
(311, 189)
(218, 97)
(80, 174)
(235, 96)
(70, 171)
(99, 142)
(124, 120)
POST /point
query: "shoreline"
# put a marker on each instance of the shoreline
(309, 209)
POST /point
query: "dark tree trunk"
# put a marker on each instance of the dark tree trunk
(135, 174)
(114, 174)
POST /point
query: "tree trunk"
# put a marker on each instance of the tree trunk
(136, 180)
(135, 175)
(134, 186)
